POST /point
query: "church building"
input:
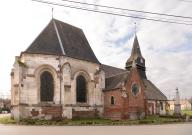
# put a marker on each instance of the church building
(59, 77)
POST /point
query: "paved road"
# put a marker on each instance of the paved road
(176, 129)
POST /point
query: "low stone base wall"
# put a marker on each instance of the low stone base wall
(136, 115)
(55, 112)
(47, 112)
(84, 114)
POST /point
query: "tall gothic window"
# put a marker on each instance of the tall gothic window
(81, 89)
(46, 86)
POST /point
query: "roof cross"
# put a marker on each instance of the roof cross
(52, 12)
(135, 28)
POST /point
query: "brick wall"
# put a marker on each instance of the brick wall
(137, 104)
(119, 110)
(132, 107)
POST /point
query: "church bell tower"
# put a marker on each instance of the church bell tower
(136, 59)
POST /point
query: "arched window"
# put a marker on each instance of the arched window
(161, 105)
(112, 100)
(46, 86)
(81, 89)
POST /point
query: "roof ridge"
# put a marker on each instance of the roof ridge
(66, 23)
(117, 74)
(113, 67)
(59, 38)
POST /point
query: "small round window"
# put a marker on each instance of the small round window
(135, 89)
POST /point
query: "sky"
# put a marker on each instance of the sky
(167, 48)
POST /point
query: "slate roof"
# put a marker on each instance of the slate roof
(59, 38)
(152, 92)
(111, 71)
(116, 81)
(135, 52)
(114, 77)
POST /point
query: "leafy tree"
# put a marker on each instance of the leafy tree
(190, 100)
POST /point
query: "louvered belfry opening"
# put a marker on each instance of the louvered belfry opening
(81, 89)
(46, 87)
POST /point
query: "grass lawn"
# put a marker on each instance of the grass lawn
(187, 113)
(7, 120)
(81, 122)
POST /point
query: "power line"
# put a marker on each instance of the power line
(132, 10)
(186, 0)
(110, 13)
(126, 9)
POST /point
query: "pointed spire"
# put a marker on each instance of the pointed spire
(136, 56)
(136, 52)
(136, 59)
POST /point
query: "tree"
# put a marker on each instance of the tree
(190, 100)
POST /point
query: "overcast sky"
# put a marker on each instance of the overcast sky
(166, 47)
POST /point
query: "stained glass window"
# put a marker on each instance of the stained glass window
(81, 89)
(46, 86)
(135, 89)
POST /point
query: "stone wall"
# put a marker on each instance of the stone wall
(162, 110)
(89, 113)
(26, 82)
(152, 107)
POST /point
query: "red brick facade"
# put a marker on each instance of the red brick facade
(129, 106)
(118, 110)
(136, 103)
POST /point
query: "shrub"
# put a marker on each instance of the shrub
(146, 121)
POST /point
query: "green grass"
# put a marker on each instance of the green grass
(93, 121)
(187, 113)
(83, 122)
(162, 120)
(7, 120)
(183, 112)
